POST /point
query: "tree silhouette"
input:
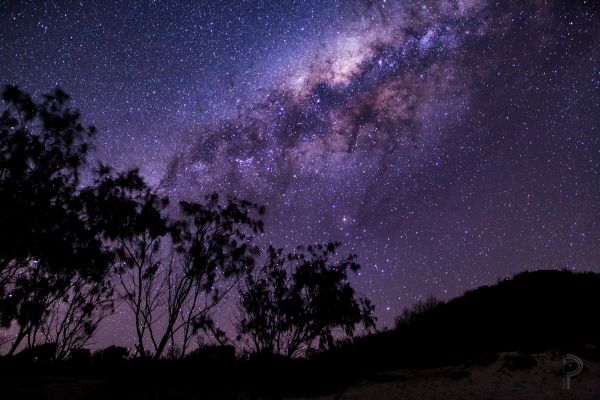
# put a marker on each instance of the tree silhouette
(65, 242)
(174, 271)
(131, 218)
(72, 321)
(212, 252)
(49, 249)
(298, 299)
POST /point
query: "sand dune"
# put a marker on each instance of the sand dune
(495, 381)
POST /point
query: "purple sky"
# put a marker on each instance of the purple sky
(447, 143)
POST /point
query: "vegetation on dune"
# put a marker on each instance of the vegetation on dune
(532, 311)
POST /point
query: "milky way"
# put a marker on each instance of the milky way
(447, 143)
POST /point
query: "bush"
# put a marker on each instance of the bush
(80, 355)
(217, 353)
(111, 354)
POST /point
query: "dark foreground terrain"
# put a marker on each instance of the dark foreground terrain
(496, 342)
(510, 376)
(499, 380)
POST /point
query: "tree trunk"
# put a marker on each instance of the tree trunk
(20, 336)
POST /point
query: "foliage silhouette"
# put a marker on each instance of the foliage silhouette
(420, 311)
(80, 355)
(176, 268)
(299, 298)
(40, 353)
(212, 250)
(111, 354)
(50, 252)
(134, 227)
(67, 243)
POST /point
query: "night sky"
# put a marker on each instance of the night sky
(447, 143)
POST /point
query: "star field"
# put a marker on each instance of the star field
(447, 143)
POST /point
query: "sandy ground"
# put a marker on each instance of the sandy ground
(495, 381)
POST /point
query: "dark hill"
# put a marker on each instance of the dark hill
(531, 312)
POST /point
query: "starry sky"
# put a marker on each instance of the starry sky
(449, 143)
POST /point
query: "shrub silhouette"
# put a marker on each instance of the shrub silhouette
(420, 312)
(111, 354)
(40, 353)
(214, 354)
(298, 298)
(80, 355)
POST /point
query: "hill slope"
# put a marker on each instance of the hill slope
(492, 382)
(532, 312)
